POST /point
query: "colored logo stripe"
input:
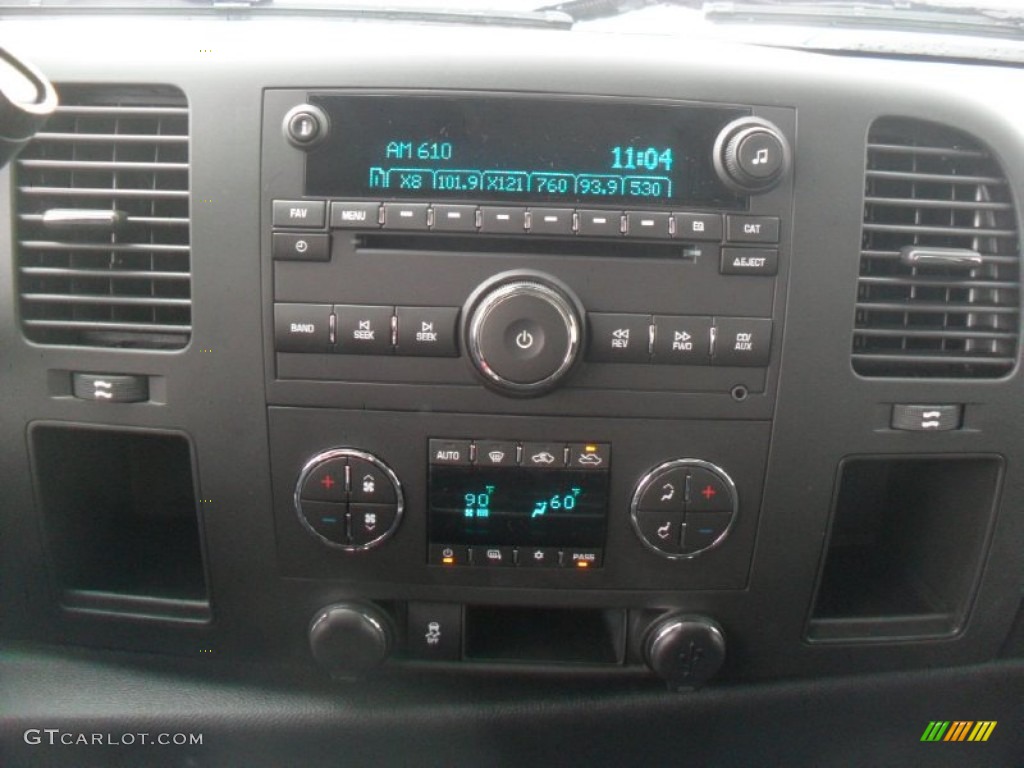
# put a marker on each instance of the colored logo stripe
(958, 730)
(982, 730)
(935, 730)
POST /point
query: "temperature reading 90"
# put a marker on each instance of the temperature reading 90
(643, 159)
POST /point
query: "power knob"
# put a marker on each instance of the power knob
(523, 332)
(350, 639)
(751, 155)
(685, 651)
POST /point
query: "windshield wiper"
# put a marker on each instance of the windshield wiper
(920, 15)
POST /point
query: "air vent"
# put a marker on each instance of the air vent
(939, 287)
(103, 221)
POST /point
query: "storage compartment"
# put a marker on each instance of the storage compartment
(535, 635)
(121, 520)
(906, 546)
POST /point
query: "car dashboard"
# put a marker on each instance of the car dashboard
(407, 392)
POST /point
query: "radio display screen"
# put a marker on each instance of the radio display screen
(518, 506)
(519, 149)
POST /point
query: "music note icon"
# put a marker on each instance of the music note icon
(760, 158)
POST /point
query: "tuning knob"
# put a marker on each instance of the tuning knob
(349, 639)
(751, 155)
(523, 332)
(685, 651)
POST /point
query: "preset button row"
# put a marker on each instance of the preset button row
(537, 220)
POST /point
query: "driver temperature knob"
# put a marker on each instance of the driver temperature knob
(523, 332)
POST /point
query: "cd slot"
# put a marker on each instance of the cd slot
(533, 244)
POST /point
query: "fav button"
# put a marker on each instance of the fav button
(299, 213)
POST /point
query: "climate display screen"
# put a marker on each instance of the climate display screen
(517, 149)
(518, 507)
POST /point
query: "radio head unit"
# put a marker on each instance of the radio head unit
(519, 149)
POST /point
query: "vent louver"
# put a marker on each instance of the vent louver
(102, 196)
(939, 286)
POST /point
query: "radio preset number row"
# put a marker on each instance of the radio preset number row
(468, 218)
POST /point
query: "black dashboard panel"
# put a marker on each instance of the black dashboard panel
(384, 405)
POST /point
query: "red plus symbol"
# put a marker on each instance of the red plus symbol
(328, 482)
(708, 492)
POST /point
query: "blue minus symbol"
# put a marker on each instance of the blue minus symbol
(328, 519)
(706, 530)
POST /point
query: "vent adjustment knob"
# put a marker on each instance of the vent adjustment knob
(685, 651)
(751, 155)
(349, 639)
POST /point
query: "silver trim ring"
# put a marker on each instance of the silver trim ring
(349, 453)
(496, 298)
(649, 479)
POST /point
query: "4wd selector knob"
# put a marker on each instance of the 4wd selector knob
(523, 332)
(751, 155)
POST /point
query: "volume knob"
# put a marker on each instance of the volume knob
(523, 332)
(751, 155)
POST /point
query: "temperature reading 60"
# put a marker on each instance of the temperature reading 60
(556, 503)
